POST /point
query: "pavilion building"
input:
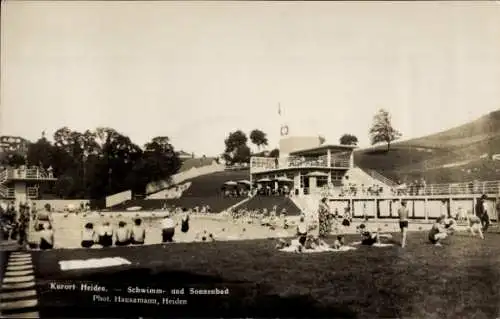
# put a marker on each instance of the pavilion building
(305, 164)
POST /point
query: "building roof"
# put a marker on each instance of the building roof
(323, 149)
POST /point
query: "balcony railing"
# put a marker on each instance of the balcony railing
(7, 192)
(491, 188)
(32, 192)
(259, 164)
(20, 173)
(473, 188)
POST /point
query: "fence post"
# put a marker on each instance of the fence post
(426, 213)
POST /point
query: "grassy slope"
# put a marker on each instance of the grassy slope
(458, 280)
(195, 162)
(426, 156)
(204, 190)
(210, 185)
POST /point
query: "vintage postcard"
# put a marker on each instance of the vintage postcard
(249, 159)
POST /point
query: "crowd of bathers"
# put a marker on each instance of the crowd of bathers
(102, 234)
(14, 222)
(265, 217)
(443, 227)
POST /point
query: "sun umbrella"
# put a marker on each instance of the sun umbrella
(230, 183)
(263, 180)
(285, 179)
(244, 182)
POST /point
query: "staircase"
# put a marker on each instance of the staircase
(383, 179)
(5, 192)
(3, 176)
(360, 177)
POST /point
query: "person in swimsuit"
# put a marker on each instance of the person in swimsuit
(46, 237)
(438, 232)
(347, 217)
(106, 235)
(88, 236)
(185, 221)
(403, 222)
(368, 238)
(339, 242)
(138, 233)
(302, 231)
(475, 225)
(122, 235)
(450, 224)
(482, 212)
(168, 229)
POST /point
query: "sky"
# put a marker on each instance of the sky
(195, 71)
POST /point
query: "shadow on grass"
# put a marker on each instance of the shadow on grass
(244, 298)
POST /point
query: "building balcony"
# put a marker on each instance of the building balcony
(265, 164)
(10, 174)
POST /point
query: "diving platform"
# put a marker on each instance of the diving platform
(21, 184)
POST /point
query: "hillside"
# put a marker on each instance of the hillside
(196, 162)
(459, 154)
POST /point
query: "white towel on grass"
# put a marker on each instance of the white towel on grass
(93, 263)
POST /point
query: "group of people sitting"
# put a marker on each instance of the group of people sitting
(307, 240)
(106, 234)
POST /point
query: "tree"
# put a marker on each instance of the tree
(158, 162)
(258, 138)
(102, 162)
(242, 154)
(64, 186)
(274, 153)
(382, 130)
(236, 148)
(13, 159)
(40, 153)
(348, 139)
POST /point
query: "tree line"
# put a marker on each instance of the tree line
(100, 162)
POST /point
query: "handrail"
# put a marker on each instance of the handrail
(260, 164)
(28, 173)
(7, 192)
(382, 178)
(32, 192)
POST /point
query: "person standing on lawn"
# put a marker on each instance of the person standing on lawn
(323, 213)
(403, 222)
(482, 212)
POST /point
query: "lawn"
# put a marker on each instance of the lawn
(459, 280)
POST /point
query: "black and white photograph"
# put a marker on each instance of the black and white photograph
(250, 159)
